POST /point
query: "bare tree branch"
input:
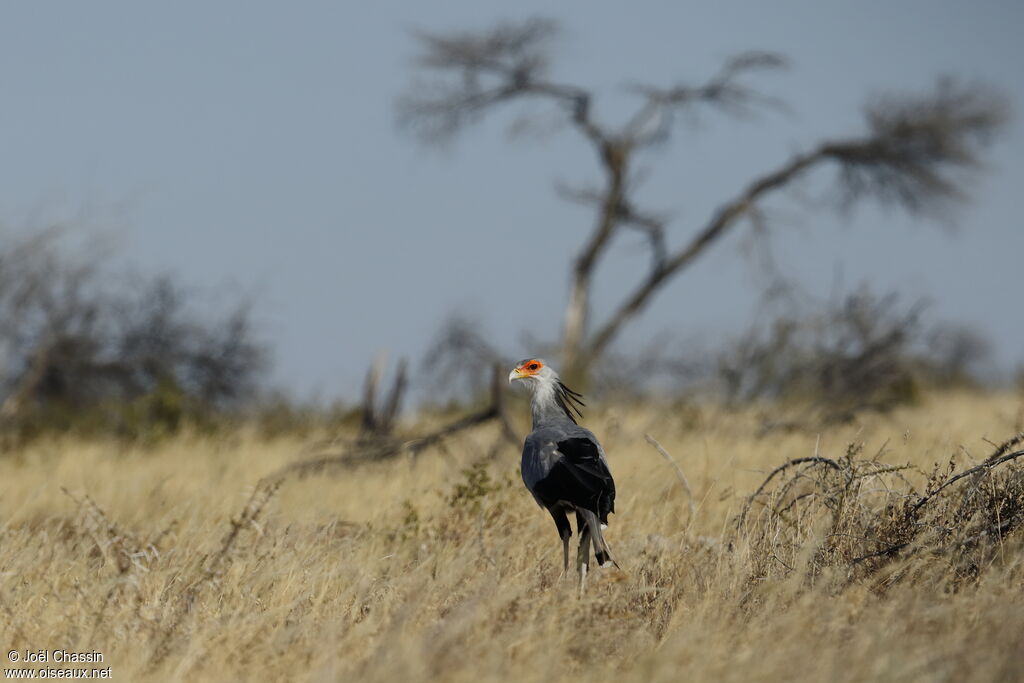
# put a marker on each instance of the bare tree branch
(919, 148)
(913, 148)
(385, 447)
(913, 154)
(680, 475)
(998, 458)
(651, 225)
(652, 123)
(487, 69)
(724, 218)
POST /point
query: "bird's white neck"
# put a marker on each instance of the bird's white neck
(545, 406)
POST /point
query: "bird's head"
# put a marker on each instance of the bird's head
(533, 370)
(547, 389)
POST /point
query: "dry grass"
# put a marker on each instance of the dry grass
(172, 563)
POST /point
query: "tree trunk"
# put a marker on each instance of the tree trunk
(577, 311)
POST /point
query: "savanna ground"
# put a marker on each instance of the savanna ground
(172, 562)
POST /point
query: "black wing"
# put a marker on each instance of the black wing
(580, 477)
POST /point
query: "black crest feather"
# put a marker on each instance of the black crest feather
(569, 401)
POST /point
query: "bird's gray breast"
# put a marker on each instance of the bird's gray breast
(540, 453)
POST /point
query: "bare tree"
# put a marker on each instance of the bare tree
(78, 339)
(910, 154)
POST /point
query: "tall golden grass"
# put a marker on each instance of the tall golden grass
(173, 563)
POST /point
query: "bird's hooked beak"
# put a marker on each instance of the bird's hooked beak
(526, 369)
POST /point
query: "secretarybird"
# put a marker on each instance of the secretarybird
(564, 466)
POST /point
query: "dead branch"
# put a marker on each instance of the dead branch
(983, 467)
(373, 377)
(884, 552)
(815, 459)
(871, 524)
(393, 404)
(999, 529)
(380, 449)
(1006, 446)
(679, 472)
(215, 565)
(379, 422)
(126, 546)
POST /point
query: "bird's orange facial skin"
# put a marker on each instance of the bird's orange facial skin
(530, 367)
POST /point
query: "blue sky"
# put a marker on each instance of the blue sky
(252, 147)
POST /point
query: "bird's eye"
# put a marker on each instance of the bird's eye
(532, 366)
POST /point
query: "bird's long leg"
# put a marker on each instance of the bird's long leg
(583, 552)
(602, 553)
(564, 532)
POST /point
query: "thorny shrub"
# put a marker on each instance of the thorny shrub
(856, 516)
